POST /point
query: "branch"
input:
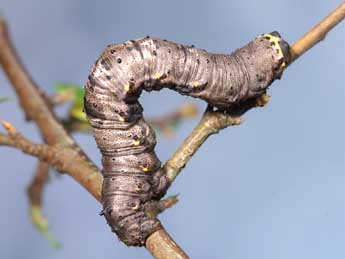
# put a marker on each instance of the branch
(35, 189)
(159, 243)
(35, 193)
(209, 125)
(30, 96)
(69, 160)
(318, 33)
(54, 155)
(73, 160)
(162, 246)
(36, 109)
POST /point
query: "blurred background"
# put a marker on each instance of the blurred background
(270, 188)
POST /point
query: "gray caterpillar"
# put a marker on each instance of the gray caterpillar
(134, 181)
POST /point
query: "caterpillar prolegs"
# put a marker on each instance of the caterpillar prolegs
(133, 178)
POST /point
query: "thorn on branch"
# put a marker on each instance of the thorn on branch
(169, 201)
(11, 130)
(262, 100)
(153, 208)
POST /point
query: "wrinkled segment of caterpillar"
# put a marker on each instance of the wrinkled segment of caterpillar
(132, 172)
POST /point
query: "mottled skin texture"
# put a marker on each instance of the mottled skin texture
(133, 177)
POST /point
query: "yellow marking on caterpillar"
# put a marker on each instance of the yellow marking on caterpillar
(145, 169)
(137, 143)
(196, 84)
(158, 76)
(122, 119)
(138, 189)
(275, 40)
(127, 88)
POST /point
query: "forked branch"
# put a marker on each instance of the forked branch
(203, 130)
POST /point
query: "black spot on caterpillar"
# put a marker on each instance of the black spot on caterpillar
(133, 177)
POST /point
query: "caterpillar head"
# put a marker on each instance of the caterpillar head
(267, 57)
(281, 47)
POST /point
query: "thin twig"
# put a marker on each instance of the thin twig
(29, 96)
(35, 193)
(40, 179)
(159, 244)
(37, 110)
(44, 152)
(210, 123)
(199, 135)
(318, 33)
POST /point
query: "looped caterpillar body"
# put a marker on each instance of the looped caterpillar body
(133, 178)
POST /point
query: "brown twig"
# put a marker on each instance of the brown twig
(162, 246)
(5, 140)
(29, 96)
(159, 244)
(46, 153)
(36, 109)
(318, 33)
(40, 179)
(210, 123)
(199, 135)
(35, 193)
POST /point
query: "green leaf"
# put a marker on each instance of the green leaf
(76, 93)
(4, 99)
(41, 223)
(77, 112)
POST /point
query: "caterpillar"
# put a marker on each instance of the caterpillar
(133, 178)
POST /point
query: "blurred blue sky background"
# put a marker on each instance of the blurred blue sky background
(272, 188)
